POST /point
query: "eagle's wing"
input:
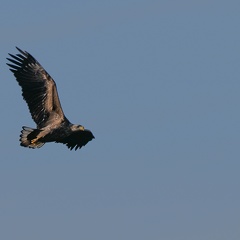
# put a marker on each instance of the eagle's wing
(77, 139)
(38, 88)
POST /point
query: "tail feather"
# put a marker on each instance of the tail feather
(29, 134)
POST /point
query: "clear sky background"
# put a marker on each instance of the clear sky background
(158, 83)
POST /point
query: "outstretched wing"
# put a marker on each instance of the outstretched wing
(38, 88)
(77, 139)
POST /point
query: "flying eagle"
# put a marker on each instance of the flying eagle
(40, 92)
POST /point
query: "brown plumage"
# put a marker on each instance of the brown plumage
(40, 93)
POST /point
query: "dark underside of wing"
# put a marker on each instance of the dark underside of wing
(77, 139)
(38, 88)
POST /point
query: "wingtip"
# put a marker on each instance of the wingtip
(21, 51)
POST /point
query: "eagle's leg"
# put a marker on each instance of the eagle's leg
(30, 138)
(34, 141)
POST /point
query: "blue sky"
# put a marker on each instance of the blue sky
(157, 82)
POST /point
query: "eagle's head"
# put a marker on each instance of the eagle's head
(76, 127)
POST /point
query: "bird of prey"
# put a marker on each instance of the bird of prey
(40, 93)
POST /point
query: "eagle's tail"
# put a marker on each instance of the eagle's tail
(28, 138)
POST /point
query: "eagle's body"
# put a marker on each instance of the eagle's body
(40, 92)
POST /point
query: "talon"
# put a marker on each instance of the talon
(33, 141)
